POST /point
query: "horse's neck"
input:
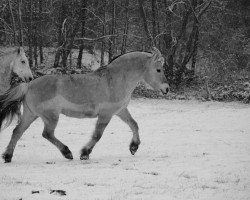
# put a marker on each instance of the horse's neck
(5, 74)
(128, 75)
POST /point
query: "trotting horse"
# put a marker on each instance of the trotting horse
(102, 94)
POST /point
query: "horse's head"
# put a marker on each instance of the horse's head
(154, 75)
(20, 65)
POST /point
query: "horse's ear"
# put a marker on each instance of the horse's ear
(20, 50)
(156, 53)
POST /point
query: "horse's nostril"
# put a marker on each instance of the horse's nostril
(167, 89)
(30, 78)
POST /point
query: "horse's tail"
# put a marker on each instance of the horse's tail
(10, 103)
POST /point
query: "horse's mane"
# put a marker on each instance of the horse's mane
(103, 69)
(4, 53)
(114, 58)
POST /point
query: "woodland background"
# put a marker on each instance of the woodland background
(206, 43)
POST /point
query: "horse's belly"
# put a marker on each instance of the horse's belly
(78, 113)
(84, 110)
(88, 110)
(61, 105)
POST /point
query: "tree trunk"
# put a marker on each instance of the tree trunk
(83, 19)
(145, 24)
(13, 21)
(20, 22)
(68, 44)
(104, 33)
(153, 6)
(60, 38)
(112, 31)
(30, 33)
(125, 32)
(168, 44)
(188, 50)
(41, 31)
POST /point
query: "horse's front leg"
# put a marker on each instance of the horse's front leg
(101, 124)
(125, 116)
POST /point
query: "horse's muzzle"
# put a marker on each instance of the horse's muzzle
(164, 89)
(28, 78)
(164, 92)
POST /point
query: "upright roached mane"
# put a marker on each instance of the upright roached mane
(102, 94)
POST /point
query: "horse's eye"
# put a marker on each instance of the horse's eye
(23, 62)
(158, 70)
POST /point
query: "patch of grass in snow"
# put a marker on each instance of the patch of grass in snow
(209, 187)
(151, 173)
(186, 175)
(23, 183)
(200, 155)
(221, 180)
(89, 184)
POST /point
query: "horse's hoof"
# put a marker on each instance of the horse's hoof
(7, 158)
(85, 154)
(84, 157)
(133, 147)
(69, 156)
(67, 153)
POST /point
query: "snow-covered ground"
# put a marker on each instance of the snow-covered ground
(189, 150)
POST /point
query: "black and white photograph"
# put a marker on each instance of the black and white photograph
(124, 99)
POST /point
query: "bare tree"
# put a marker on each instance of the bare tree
(60, 37)
(145, 24)
(112, 43)
(41, 31)
(30, 32)
(126, 28)
(13, 21)
(20, 22)
(83, 20)
(104, 33)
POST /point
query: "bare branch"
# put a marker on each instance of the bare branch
(204, 9)
(107, 36)
(96, 39)
(192, 9)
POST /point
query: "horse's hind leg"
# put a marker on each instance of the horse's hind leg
(101, 124)
(125, 116)
(50, 121)
(27, 118)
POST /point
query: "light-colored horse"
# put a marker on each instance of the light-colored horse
(13, 61)
(103, 93)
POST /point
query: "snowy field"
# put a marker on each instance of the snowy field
(189, 150)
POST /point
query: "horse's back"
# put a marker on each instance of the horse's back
(80, 89)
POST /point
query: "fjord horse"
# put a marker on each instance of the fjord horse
(13, 61)
(102, 94)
